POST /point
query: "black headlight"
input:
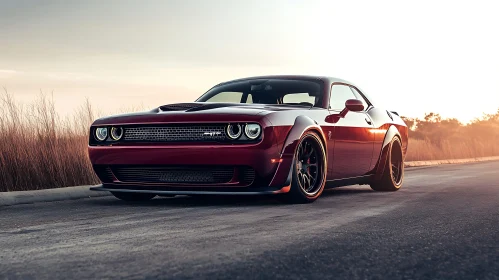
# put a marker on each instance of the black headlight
(100, 134)
(234, 131)
(252, 130)
(116, 133)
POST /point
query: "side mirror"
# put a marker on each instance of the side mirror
(354, 105)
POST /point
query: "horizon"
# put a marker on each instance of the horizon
(122, 54)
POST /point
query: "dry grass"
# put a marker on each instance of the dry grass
(426, 150)
(39, 150)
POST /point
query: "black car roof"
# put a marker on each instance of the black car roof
(306, 77)
(328, 80)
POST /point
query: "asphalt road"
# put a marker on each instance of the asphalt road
(443, 224)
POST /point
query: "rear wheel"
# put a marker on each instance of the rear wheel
(126, 196)
(309, 176)
(393, 174)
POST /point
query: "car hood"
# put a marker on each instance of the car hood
(197, 112)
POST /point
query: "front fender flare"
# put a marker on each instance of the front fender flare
(301, 125)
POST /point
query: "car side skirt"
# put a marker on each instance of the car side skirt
(360, 180)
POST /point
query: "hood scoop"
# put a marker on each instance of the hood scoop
(197, 106)
(179, 106)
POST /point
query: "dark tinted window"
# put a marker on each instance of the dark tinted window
(226, 96)
(268, 91)
(249, 99)
(298, 97)
(339, 95)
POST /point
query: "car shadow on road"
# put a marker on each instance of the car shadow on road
(226, 201)
(347, 190)
(195, 201)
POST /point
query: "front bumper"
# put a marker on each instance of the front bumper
(258, 157)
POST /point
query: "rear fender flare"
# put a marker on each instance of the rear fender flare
(383, 157)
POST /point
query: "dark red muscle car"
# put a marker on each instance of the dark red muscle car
(292, 136)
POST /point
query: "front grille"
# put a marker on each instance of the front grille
(247, 175)
(185, 175)
(175, 133)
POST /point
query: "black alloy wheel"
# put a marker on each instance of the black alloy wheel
(308, 170)
(397, 163)
(307, 166)
(393, 173)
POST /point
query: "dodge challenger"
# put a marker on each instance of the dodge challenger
(288, 136)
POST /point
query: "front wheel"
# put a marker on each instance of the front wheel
(309, 170)
(393, 173)
(127, 196)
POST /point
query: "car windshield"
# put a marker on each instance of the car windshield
(268, 91)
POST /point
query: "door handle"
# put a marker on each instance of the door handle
(368, 121)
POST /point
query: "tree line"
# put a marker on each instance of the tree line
(432, 127)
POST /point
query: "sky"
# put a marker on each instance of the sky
(412, 57)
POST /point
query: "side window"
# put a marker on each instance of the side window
(227, 96)
(360, 97)
(339, 95)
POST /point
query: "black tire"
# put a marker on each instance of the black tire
(128, 196)
(309, 172)
(393, 173)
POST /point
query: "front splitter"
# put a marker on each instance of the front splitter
(254, 191)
